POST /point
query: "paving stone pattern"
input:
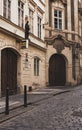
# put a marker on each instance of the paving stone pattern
(55, 113)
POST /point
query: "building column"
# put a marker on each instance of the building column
(69, 18)
(76, 19)
(70, 80)
(47, 74)
(0, 73)
(47, 18)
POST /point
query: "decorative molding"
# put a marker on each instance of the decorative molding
(17, 37)
(37, 46)
(63, 1)
(24, 1)
(59, 42)
(43, 2)
(32, 2)
(40, 10)
(11, 23)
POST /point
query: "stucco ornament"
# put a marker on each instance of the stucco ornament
(63, 1)
(58, 42)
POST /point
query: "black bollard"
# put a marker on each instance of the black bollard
(7, 102)
(25, 96)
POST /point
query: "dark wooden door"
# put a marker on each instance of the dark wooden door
(57, 70)
(8, 71)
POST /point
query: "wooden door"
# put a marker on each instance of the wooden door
(57, 70)
(8, 71)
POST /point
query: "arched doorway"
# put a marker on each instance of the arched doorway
(8, 71)
(57, 70)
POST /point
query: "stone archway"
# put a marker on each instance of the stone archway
(57, 70)
(8, 71)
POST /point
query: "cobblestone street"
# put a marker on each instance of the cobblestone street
(60, 112)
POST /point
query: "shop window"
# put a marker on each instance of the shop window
(7, 9)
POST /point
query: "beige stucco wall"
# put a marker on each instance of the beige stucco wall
(27, 69)
(9, 42)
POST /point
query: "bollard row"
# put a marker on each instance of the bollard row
(7, 99)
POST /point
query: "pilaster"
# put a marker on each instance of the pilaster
(76, 19)
(0, 73)
(69, 17)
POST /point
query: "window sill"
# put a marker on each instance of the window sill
(58, 29)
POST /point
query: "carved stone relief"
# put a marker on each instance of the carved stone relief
(58, 45)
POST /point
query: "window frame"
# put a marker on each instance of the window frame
(7, 9)
(36, 66)
(20, 14)
(58, 18)
(39, 27)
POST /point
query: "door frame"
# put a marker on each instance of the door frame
(14, 50)
(66, 63)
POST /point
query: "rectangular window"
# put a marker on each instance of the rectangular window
(20, 13)
(39, 27)
(7, 9)
(36, 66)
(58, 19)
(31, 20)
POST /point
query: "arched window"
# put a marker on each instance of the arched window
(36, 66)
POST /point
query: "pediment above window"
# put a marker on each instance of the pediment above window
(63, 1)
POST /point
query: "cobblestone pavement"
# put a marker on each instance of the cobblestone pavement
(18, 99)
(60, 112)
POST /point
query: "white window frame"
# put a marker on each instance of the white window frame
(20, 13)
(7, 9)
(39, 23)
(58, 18)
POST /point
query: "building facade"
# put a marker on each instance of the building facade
(53, 55)
(63, 41)
(21, 66)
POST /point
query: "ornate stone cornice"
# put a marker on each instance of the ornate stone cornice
(63, 1)
(51, 40)
(58, 42)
